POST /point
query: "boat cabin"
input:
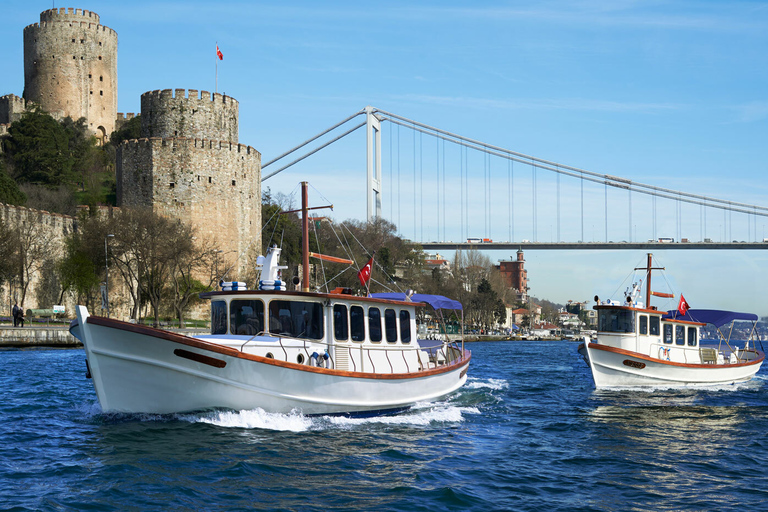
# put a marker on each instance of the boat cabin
(331, 330)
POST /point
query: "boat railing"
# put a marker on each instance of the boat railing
(427, 358)
(706, 354)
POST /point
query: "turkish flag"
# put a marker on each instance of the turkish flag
(219, 54)
(365, 273)
(682, 306)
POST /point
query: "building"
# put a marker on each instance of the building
(189, 165)
(70, 68)
(515, 276)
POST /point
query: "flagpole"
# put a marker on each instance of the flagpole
(216, 89)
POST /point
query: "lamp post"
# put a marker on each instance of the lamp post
(106, 268)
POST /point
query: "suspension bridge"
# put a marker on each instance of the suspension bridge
(449, 191)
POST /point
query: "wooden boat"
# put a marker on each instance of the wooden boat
(638, 345)
(277, 350)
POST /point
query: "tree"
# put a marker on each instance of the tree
(9, 189)
(38, 148)
(131, 129)
(187, 267)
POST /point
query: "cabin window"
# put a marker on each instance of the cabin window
(667, 333)
(617, 320)
(680, 334)
(246, 317)
(374, 324)
(692, 336)
(390, 325)
(643, 327)
(296, 319)
(405, 326)
(218, 317)
(340, 323)
(357, 323)
(655, 322)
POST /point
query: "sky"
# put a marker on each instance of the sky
(670, 94)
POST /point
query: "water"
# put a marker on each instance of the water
(528, 432)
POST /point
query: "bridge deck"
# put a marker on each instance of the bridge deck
(654, 246)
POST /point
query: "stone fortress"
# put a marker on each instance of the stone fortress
(188, 163)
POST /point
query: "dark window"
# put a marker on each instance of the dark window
(390, 325)
(655, 321)
(218, 317)
(667, 333)
(340, 323)
(374, 324)
(101, 78)
(680, 334)
(296, 319)
(405, 326)
(643, 324)
(692, 336)
(233, 183)
(357, 323)
(246, 317)
(616, 320)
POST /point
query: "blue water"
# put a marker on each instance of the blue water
(528, 432)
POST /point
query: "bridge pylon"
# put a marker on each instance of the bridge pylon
(373, 153)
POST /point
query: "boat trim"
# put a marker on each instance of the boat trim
(636, 355)
(211, 347)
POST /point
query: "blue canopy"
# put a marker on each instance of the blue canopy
(436, 301)
(715, 317)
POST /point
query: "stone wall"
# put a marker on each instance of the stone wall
(11, 108)
(173, 113)
(50, 231)
(70, 67)
(215, 185)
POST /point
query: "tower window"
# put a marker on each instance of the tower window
(89, 75)
(99, 43)
(172, 184)
(101, 79)
(74, 58)
(101, 93)
(99, 57)
(82, 41)
(209, 179)
(233, 183)
(73, 40)
(91, 92)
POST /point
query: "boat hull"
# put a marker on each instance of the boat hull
(136, 369)
(614, 367)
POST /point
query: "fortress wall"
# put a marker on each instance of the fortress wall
(191, 114)
(11, 108)
(216, 185)
(70, 67)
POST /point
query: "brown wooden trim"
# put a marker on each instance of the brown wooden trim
(650, 311)
(200, 358)
(227, 351)
(596, 346)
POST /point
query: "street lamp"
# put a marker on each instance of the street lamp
(106, 267)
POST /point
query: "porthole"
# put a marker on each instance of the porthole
(270, 356)
(300, 359)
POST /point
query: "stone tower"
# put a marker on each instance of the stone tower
(70, 67)
(189, 165)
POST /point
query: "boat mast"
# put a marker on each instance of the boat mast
(648, 283)
(304, 238)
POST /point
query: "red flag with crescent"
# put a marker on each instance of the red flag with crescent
(682, 306)
(218, 53)
(365, 273)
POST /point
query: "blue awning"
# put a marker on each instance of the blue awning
(715, 317)
(436, 301)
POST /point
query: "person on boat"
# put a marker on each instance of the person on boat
(18, 315)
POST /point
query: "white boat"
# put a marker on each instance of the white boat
(638, 345)
(281, 351)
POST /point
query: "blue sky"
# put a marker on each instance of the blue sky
(672, 94)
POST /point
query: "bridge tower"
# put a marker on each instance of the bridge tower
(373, 145)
